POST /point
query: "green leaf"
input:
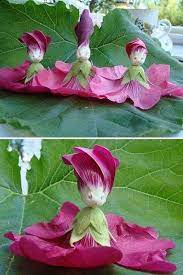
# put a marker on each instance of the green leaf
(56, 116)
(148, 190)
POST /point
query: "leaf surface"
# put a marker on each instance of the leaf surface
(57, 116)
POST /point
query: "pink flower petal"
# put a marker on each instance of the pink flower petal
(12, 79)
(63, 67)
(58, 226)
(159, 74)
(144, 98)
(93, 166)
(50, 78)
(141, 248)
(53, 79)
(35, 39)
(135, 45)
(49, 253)
(111, 73)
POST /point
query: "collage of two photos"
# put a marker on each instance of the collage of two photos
(91, 137)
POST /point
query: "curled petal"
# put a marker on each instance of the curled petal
(37, 43)
(58, 226)
(93, 166)
(12, 79)
(135, 45)
(142, 250)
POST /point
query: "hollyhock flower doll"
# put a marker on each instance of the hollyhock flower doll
(87, 238)
(23, 78)
(65, 78)
(144, 88)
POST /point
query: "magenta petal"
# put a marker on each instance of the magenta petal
(84, 28)
(135, 45)
(35, 39)
(144, 98)
(50, 78)
(141, 248)
(159, 75)
(40, 250)
(93, 166)
(12, 79)
(111, 73)
(58, 225)
(14, 74)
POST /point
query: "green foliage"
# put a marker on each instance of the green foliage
(100, 5)
(148, 190)
(172, 10)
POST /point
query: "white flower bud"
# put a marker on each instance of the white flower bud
(83, 52)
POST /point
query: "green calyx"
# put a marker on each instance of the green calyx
(90, 221)
(81, 70)
(32, 71)
(136, 73)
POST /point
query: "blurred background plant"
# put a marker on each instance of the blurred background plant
(169, 9)
(172, 10)
(103, 6)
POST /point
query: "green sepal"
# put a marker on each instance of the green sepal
(82, 80)
(93, 221)
(33, 69)
(136, 73)
(81, 70)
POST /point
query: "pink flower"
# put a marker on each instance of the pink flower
(49, 243)
(73, 79)
(95, 171)
(144, 88)
(23, 77)
(86, 238)
(37, 43)
(134, 246)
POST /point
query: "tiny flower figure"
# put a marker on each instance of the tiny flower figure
(65, 78)
(87, 238)
(144, 88)
(23, 78)
(37, 44)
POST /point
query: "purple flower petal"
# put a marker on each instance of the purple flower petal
(37, 43)
(95, 166)
(84, 28)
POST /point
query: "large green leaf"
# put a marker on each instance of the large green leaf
(48, 116)
(148, 190)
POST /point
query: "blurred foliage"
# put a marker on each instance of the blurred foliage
(172, 10)
(100, 5)
(169, 9)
